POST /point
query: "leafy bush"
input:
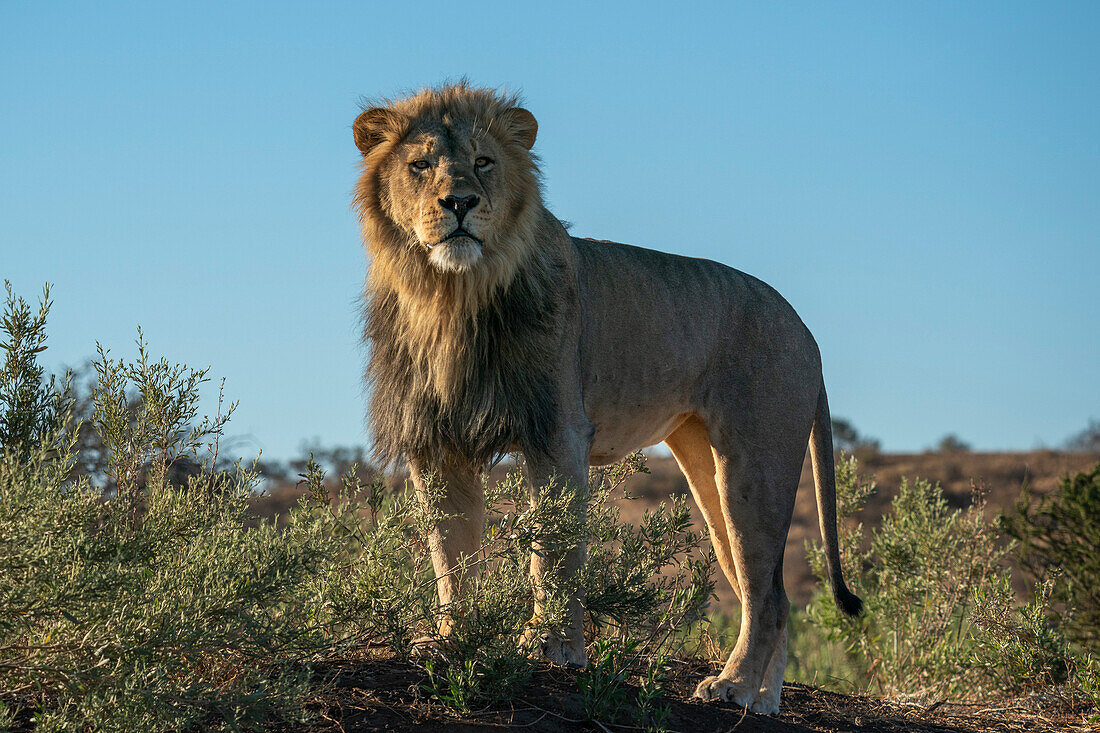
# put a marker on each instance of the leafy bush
(603, 684)
(641, 583)
(1060, 534)
(28, 406)
(139, 596)
(606, 694)
(917, 575)
(942, 619)
(1017, 645)
(154, 608)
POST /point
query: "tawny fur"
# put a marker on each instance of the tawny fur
(492, 329)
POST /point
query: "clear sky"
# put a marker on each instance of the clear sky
(920, 180)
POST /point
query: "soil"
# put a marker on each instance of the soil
(386, 695)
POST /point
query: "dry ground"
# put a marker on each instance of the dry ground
(384, 695)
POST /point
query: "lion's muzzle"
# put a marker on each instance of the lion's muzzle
(460, 205)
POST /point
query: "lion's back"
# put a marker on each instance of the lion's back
(628, 284)
(661, 316)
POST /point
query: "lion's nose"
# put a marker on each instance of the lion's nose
(459, 205)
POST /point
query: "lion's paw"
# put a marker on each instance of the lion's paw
(555, 650)
(725, 690)
(766, 703)
(560, 651)
(426, 647)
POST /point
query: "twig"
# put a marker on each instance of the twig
(217, 433)
(334, 722)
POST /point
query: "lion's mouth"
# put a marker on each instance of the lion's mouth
(456, 234)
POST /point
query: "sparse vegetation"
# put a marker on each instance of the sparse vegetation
(28, 406)
(849, 440)
(151, 609)
(160, 604)
(952, 443)
(1059, 538)
(1086, 441)
(942, 619)
(139, 596)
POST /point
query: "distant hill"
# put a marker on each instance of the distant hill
(999, 475)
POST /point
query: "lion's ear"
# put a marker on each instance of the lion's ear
(371, 127)
(523, 125)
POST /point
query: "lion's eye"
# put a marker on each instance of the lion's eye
(483, 162)
(420, 165)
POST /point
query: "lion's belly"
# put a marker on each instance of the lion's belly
(615, 438)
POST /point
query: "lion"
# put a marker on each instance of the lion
(492, 329)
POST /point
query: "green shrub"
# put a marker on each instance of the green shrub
(608, 696)
(29, 407)
(641, 583)
(917, 575)
(154, 608)
(603, 684)
(140, 597)
(1017, 645)
(1060, 534)
(941, 618)
(1021, 648)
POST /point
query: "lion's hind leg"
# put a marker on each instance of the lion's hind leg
(767, 699)
(750, 528)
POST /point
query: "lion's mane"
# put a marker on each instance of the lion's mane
(458, 361)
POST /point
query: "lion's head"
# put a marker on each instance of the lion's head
(450, 208)
(449, 181)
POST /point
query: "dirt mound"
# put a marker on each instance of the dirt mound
(388, 696)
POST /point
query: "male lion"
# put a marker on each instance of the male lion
(492, 329)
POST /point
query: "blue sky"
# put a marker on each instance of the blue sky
(921, 181)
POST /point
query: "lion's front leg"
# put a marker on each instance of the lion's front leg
(454, 488)
(547, 474)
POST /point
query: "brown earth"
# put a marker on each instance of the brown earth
(387, 695)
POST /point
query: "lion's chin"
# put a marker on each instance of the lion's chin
(456, 255)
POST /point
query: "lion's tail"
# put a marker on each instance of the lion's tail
(821, 455)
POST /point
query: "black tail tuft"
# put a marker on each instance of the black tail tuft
(846, 600)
